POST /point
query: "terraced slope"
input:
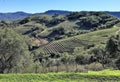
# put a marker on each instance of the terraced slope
(85, 41)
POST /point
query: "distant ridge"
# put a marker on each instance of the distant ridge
(117, 14)
(53, 12)
(13, 16)
(20, 15)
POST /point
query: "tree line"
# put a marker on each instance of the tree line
(15, 56)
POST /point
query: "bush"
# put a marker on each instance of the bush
(94, 67)
(82, 59)
(118, 63)
(81, 69)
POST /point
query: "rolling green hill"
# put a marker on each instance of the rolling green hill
(65, 42)
(76, 33)
(85, 41)
(62, 26)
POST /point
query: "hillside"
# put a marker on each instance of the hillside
(20, 15)
(46, 30)
(59, 12)
(117, 14)
(62, 26)
(13, 16)
(85, 42)
(80, 40)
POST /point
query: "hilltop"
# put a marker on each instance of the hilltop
(117, 14)
(61, 26)
(12, 16)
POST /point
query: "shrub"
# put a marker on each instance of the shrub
(82, 59)
(94, 67)
(81, 69)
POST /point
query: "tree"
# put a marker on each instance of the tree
(13, 50)
(113, 46)
(80, 57)
(66, 59)
(58, 63)
(100, 55)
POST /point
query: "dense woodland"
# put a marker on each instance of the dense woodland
(75, 42)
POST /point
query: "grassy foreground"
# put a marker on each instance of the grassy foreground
(91, 76)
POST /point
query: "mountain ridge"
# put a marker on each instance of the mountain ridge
(12, 16)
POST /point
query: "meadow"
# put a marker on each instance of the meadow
(92, 76)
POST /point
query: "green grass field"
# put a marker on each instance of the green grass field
(91, 76)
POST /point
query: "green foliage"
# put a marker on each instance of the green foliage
(73, 24)
(82, 59)
(100, 56)
(94, 76)
(94, 66)
(81, 49)
(113, 46)
(83, 41)
(90, 30)
(117, 62)
(13, 51)
(113, 49)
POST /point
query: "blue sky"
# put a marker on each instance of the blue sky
(36, 6)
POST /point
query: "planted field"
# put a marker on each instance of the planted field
(65, 45)
(91, 76)
(87, 40)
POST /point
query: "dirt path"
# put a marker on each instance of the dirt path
(40, 41)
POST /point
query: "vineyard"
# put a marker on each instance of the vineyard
(85, 41)
(67, 45)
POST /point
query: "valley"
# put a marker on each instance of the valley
(71, 45)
